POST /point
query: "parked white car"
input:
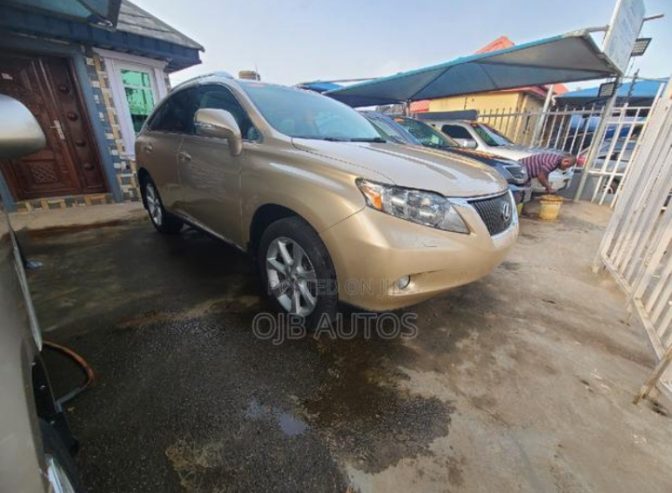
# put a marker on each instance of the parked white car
(475, 135)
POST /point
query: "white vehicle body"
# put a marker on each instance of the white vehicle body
(466, 133)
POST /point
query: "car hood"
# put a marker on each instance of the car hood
(411, 166)
(483, 157)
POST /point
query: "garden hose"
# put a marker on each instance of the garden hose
(82, 363)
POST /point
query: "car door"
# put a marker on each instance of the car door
(209, 174)
(157, 147)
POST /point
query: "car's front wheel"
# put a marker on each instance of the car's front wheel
(61, 470)
(162, 220)
(297, 272)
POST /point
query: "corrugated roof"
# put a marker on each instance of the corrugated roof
(132, 19)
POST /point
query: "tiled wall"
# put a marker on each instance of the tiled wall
(124, 167)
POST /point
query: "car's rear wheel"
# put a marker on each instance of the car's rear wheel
(297, 272)
(162, 220)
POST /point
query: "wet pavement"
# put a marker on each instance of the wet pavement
(519, 382)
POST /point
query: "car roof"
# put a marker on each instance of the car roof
(229, 80)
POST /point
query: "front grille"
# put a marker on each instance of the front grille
(496, 212)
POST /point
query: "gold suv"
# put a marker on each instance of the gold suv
(329, 210)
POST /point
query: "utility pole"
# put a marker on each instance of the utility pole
(622, 59)
(632, 85)
(597, 139)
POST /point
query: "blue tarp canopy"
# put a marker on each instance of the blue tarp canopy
(643, 93)
(319, 86)
(565, 58)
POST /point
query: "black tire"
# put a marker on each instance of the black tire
(55, 449)
(163, 221)
(300, 232)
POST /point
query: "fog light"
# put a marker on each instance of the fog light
(403, 282)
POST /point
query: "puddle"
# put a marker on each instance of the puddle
(289, 424)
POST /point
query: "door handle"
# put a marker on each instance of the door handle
(147, 148)
(184, 156)
(59, 129)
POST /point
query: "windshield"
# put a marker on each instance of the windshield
(489, 135)
(308, 115)
(391, 131)
(426, 134)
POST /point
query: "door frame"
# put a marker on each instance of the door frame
(77, 61)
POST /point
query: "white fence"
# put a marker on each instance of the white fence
(560, 128)
(572, 130)
(637, 244)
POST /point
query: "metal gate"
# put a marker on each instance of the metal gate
(573, 130)
(637, 245)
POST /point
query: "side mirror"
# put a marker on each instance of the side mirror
(467, 143)
(220, 124)
(20, 134)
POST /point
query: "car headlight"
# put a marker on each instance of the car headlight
(426, 208)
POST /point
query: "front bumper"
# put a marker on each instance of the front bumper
(372, 250)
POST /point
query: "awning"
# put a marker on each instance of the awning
(136, 32)
(565, 58)
(102, 12)
(319, 86)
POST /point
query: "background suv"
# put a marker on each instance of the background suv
(329, 209)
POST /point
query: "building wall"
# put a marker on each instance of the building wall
(489, 105)
(480, 102)
(124, 167)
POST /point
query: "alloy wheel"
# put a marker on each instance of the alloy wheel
(153, 204)
(291, 276)
(58, 478)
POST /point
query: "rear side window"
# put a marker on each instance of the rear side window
(218, 97)
(176, 114)
(456, 132)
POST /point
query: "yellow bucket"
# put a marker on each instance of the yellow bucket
(550, 207)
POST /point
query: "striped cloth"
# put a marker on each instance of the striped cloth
(544, 162)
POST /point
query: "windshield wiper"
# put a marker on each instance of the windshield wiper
(340, 139)
(318, 137)
(379, 140)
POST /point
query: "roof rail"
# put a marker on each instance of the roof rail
(219, 73)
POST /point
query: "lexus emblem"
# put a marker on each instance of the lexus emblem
(506, 212)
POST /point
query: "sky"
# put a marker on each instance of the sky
(291, 41)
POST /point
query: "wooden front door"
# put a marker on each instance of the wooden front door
(69, 163)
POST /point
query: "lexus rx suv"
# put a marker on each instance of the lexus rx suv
(329, 210)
